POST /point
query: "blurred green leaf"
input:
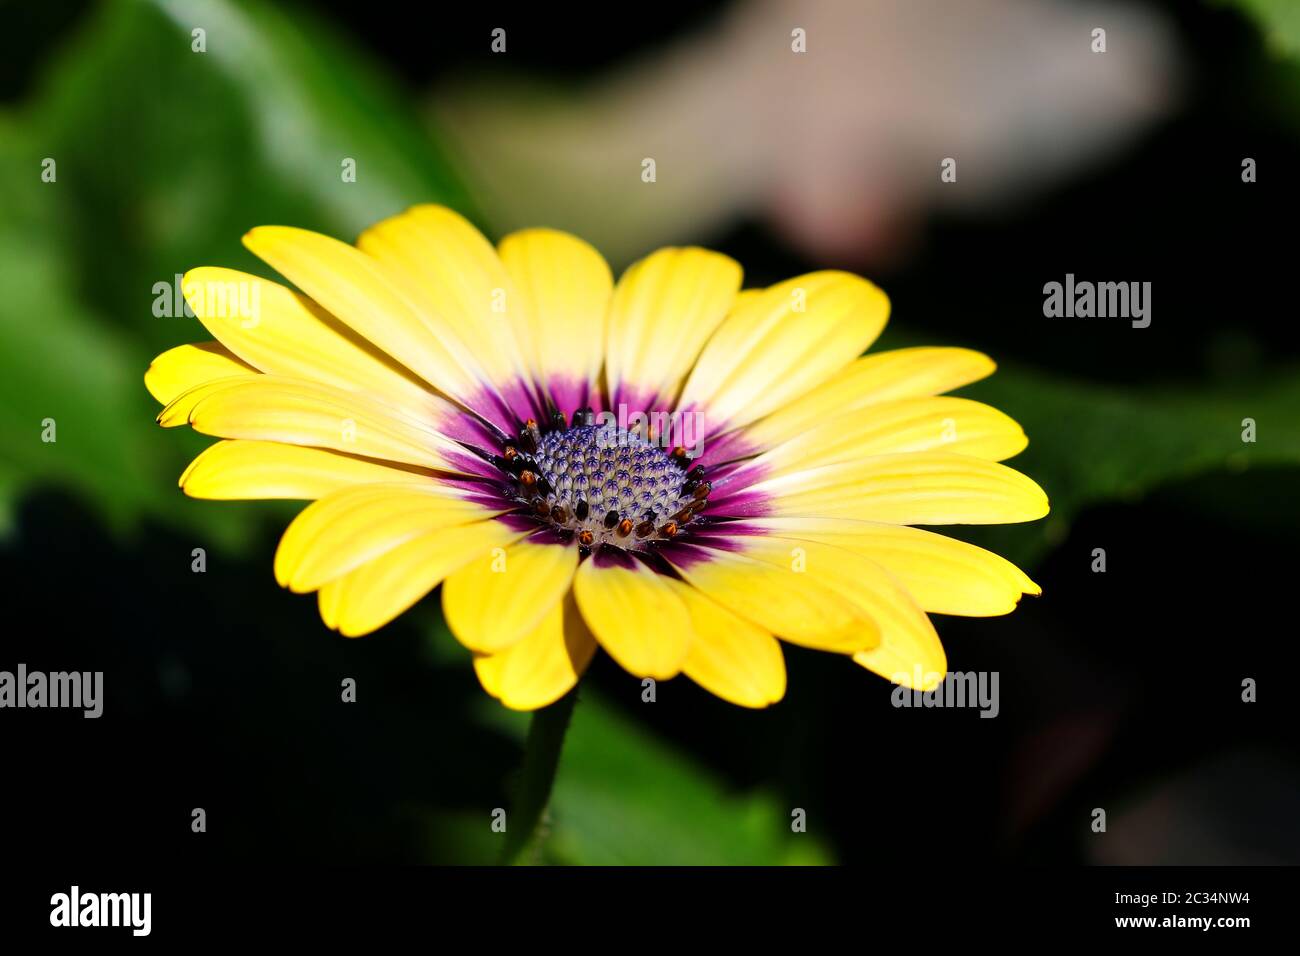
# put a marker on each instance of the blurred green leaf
(313, 101)
(1278, 19)
(64, 366)
(1090, 443)
(1275, 80)
(623, 796)
(171, 155)
(61, 361)
(165, 157)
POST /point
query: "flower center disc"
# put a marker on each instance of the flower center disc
(609, 486)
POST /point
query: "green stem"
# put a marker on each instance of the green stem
(541, 758)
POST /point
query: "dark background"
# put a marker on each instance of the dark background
(1119, 690)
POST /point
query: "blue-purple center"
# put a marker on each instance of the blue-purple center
(606, 485)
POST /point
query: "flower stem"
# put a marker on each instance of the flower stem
(541, 758)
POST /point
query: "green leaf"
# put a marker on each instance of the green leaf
(1274, 81)
(165, 157)
(1278, 19)
(182, 152)
(624, 796)
(1091, 443)
(65, 372)
(313, 102)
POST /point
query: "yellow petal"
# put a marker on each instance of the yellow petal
(904, 666)
(347, 528)
(284, 333)
(913, 488)
(870, 380)
(782, 600)
(906, 633)
(544, 665)
(185, 367)
(943, 575)
(635, 615)
(359, 290)
(496, 599)
(261, 469)
(566, 286)
(369, 597)
(782, 343)
(455, 279)
(329, 600)
(664, 309)
(298, 412)
(913, 424)
(729, 656)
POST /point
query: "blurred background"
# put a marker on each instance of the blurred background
(1119, 690)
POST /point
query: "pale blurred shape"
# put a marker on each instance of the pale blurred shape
(840, 146)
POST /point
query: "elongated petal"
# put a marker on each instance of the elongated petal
(729, 656)
(565, 286)
(544, 665)
(361, 292)
(367, 598)
(455, 280)
(915, 488)
(865, 382)
(782, 600)
(905, 666)
(495, 600)
(955, 425)
(664, 309)
(284, 333)
(943, 575)
(262, 469)
(781, 344)
(636, 616)
(347, 528)
(186, 367)
(298, 412)
(906, 634)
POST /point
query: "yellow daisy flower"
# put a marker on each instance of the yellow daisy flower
(666, 467)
